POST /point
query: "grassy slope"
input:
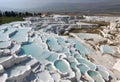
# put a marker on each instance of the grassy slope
(10, 19)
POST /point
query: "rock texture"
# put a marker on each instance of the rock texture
(33, 51)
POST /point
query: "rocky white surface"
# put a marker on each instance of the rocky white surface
(32, 51)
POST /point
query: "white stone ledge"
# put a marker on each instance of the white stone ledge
(3, 77)
(1, 69)
(21, 74)
(7, 61)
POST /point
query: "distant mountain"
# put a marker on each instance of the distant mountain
(82, 7)
(94, 7)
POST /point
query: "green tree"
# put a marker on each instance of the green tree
(0, 13)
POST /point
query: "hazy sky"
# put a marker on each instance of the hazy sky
(21, 4)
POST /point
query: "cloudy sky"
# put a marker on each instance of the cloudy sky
(22, 4)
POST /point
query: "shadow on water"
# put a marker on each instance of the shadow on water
(22, 52)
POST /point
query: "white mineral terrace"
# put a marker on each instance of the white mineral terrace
(33, 51)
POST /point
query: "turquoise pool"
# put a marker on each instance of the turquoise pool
(62, 66)
(21, 35)
(107, 49)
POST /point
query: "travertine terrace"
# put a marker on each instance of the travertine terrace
(43, 49)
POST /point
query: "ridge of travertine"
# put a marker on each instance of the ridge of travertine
(35, 51)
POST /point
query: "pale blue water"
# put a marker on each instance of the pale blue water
(31, 49)
(35, 50)
(92, 73)
(10, 30)
(61, 41)
(73, 65)
(71, 59)
(86, 62)
(5, 44)
(77, 56)
(46, 54)
(52, 42)
(84, 50)
(80, 48)
(107, 49)
(49, 67)
(21, 35)
(52, 57)
(95, 76)
(62, 66)
(83, 68)
(4, 37)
